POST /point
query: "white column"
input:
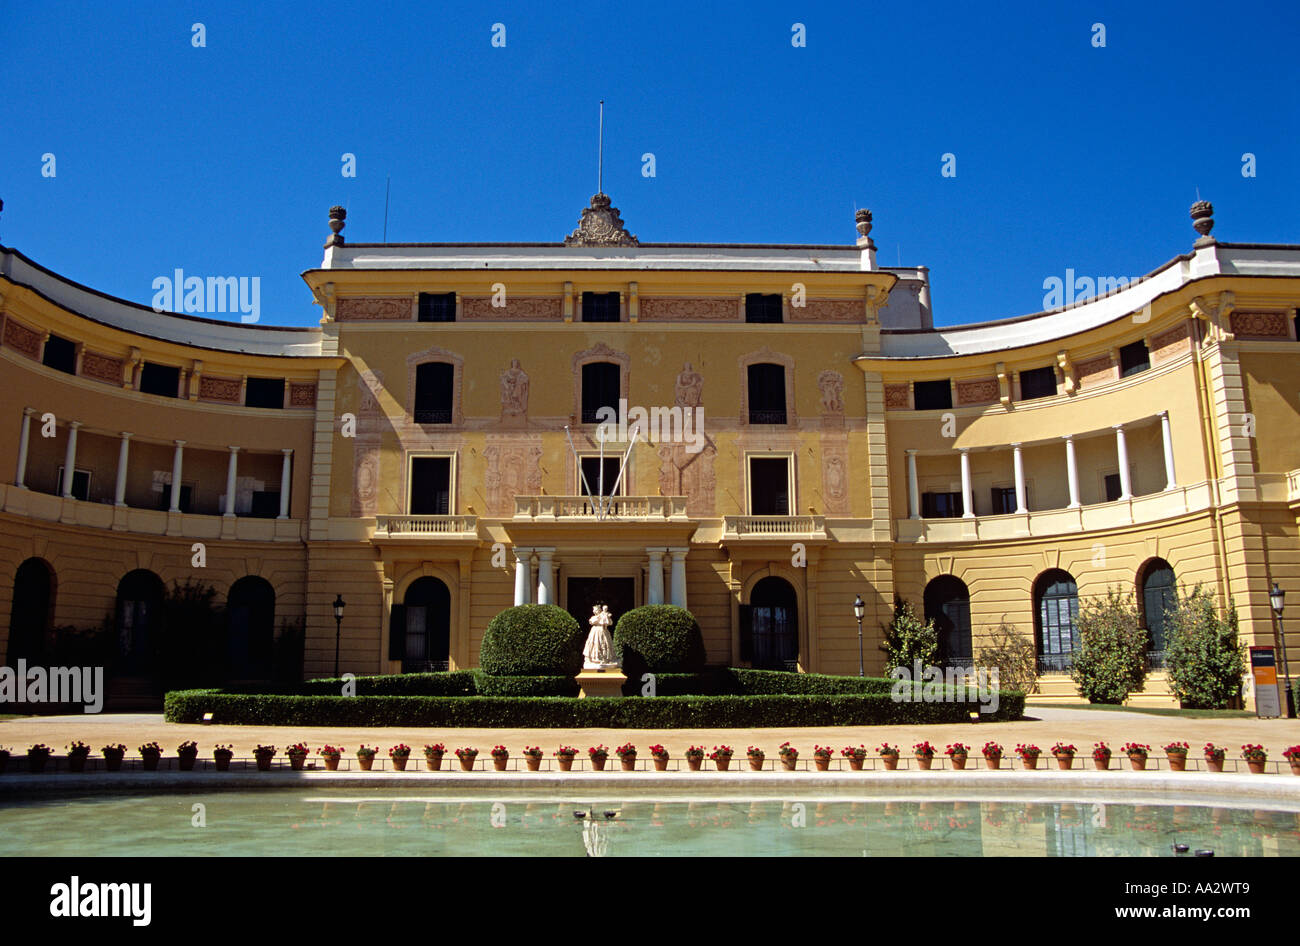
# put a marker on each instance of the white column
(232, 468)
(1171, 482)
(285, 468)
(521, 576)
(24, 435)
(677, 586)
(1121, 448)
(175, 504)
(655, 575)
(967, 500)
(1018, 462)
(913, 492)
(1072, 473)
(70, 459)
(545, 577)
(123, 451)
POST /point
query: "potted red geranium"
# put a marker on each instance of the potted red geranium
(598, 754)
(264, 755)
(1255, 757)
(115, 753)
(37, 756)
(856, 756)
(992, 754)
(331, 755)
(1176, 753)
(297, 754)
(958, 752)
(1101, 755)
(1214, 757)
(366, 756)
(500, 756)
(399, 754)
(564, 757)
(923, 752)
(1064, 753)
(1029, 754)
(694, 757)
(789, 756)
(756, 757)
(186, 755)
(467, 755)
(533, 757)
(721, 756)
(433, 756)
(626, 756)
(221, 755)
(659, 755)
(1137, 755)
(888, 756)
(150, 753)
(1292, 754)
(822, 757)
(78, 752)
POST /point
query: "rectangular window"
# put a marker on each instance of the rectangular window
(932, 395)
(264, 392)
(766, 389)
(600, 476)
(165, 498)
(437, 307)
(769, 486)
(763, 307)
(1004, 500)
(434, 386)
(163, 380)
(1037, 382)
(266, 504)
(601, 384)
(430, 486)
(60, 354)
(1112, 487)
(1134, 359)
(941, 506)
(600, 307)
(80, 484)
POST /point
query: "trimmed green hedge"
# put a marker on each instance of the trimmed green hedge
(668, 712)
(488, 685)
(448, 683)
(532, 639)
(754, 682)
(715, 682)
(659, 638)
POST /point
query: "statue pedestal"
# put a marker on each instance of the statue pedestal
(601, 682)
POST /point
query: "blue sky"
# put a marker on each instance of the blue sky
(224, 160)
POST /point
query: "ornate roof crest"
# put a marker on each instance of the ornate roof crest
(600, 225)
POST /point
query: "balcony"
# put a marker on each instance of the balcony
(426, 527)
(584, 508)
(778, 527)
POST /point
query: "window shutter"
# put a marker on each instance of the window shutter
(397, 632)
(746, 632)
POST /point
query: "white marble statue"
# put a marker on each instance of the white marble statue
(599, 650)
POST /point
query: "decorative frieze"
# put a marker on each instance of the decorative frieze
(898, 396)
(374, 309)
(226, 390)
(1170, 344)
(22, 339)
(830, 310)
(1096, 371)
(1268, 325)
(690, 310)
(516, 309)
(102, 368)
(977, 391)
(302, 395)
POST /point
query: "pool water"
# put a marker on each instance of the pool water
(323, 822)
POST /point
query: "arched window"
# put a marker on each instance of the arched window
(419, 629)
(140, 597)
(1056, 606)
(766, 388)
(434, 392)
(250, 608)
(947, 603)
(600, 388)
(769, 626)
(32, 610)
(1156, 594)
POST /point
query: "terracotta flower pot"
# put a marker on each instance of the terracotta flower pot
(1029, 761)
(1177, 761)
(150, 761)
(222, 763)
(661, 765)
(1139, 762)
(365, 761)
(693, 763)
(433, 761)
(297, 760)
(723, 764)
(889, 761)
(1213, 765)
(4, 762)
(1295, 766)
(185, 762)
(789, 763)
(1064, 761)
(756, 763)
(855, 764)
(598, 764)
(534, 763)
(467, 762)
(821, 763)
(992, 761)
(565, 762)
(628, 762)
(263, 763)
(76, 763)
(36, 763)
(499, 762)
(923, 762)
(399, 762)
(1102, 764)
(1256, 765)
(958, 761)
(114, 763)
(331, 763)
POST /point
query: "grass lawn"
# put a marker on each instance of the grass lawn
(1149, 710)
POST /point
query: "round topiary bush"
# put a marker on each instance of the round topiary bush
(659, 638)
(530, 640)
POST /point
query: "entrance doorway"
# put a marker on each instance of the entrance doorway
(585, 593)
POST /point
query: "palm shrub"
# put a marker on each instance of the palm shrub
(1203, 655)
(1013, 656)
(1111, 659)
(909, 639)
(532, 639)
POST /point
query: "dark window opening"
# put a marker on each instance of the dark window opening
(941, 506)
(264, 392)
(60, 354)
(932, 395)
(433, 392)
(1133, 359)
(80, 484)
(1157, 596)
(766, 394)
(769, 626)
(1112, 487)
(430, 486)
(419, 629)
(437, 307)
(163, 380)
(1037, 382)
(763, 307)
(600, 307)
(947, 603)
(600, 476)
(266, 504)
(600, 388)
(1056, 607)
(165, 498)
(769, 486)
(1004, 500)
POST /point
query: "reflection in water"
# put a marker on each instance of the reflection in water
(594, 838)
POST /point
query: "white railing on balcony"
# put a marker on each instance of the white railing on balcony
(426, 525)
(610, 507)
(773, 525)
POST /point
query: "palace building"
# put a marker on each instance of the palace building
(434, 452)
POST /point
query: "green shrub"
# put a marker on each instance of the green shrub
(532, 639)
(909, 639)
(658, 638)
(446, 683)
(668, 712)
(1203, 656)
(1013, 656)
(715, 682)
(753, 682)
(487, 684)
(1111, 660)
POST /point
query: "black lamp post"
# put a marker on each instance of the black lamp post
(1277, 598)
(858, 610)
(338, 629)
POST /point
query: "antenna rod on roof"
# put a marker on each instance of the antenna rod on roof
(387, 180)
(600, 152)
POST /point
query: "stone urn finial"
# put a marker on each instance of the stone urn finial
(337, 217)
(863, 218)
(1202, 215)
